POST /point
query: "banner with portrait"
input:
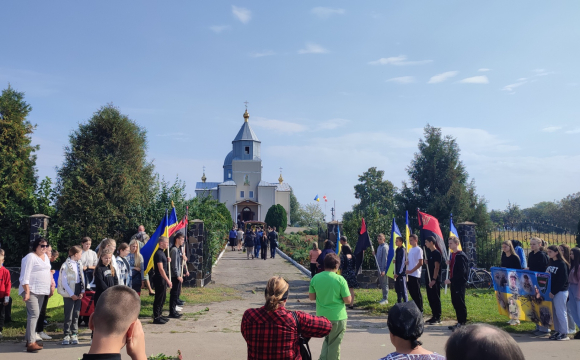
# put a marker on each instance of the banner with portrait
(523, 295)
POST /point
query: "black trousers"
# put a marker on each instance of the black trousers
(42, 316)
(273, 251)
(264, 252)
(160, 295)
(434, 297)
(174, 294)
(401, 289)
(458, 301)
(414, 285)
(313, 269)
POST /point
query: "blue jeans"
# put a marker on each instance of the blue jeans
(573, 305)
(273, 252)
(257, 251)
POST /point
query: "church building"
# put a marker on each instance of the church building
(242, 190)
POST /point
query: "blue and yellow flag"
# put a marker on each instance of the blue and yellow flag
(453, 232)
(172, 221)
(149, 249)
(407, 231)
(338, 245)
(316, 198)
(395, 232)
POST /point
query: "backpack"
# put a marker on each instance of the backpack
(302, 342)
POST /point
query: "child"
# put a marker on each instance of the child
(314, 253)
(5, 286)
(123, 265)
(558, 268)
(71, 285)
(137, 266)
(400, 271)
(105, 276)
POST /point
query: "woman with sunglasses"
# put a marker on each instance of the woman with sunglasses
(35, 284)
(272, 331)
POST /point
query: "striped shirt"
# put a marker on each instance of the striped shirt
(399, 356)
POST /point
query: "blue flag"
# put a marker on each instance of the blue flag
(395, 232)
(149, 249)
(338, 246)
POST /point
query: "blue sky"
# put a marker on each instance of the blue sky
(334, 87)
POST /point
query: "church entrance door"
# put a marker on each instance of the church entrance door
(247, 214)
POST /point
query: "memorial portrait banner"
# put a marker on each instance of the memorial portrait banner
(517, 297)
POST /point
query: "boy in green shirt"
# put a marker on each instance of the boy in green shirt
(331, 294)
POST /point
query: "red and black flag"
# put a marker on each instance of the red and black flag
(430, 227)
(363, 243)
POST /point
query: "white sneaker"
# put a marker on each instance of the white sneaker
(74, 339)
(43, 336)
(383, 302)
(66, 340)
(0, 334)
(38, 338)
(178, 308)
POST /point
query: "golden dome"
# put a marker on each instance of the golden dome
(280, 179)
(246, 116)
(203, 178)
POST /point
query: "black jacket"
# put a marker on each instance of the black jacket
(399, 259)
(460, 269)
(273, 237)
(537, 261)
(249, 239)
(559, 271)
(510, 262)
(104, 279)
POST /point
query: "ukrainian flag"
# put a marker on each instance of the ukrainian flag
(338, 245)
(395, 232)
(149, 249)
(453, 232)
(407, 231)
(316, 198)
(172, 222)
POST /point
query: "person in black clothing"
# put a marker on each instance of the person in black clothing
(105, 276)
(537, 258)
(177, 272)
(559, 268)
(458, 273)
(249, 242)
(263, 244)
(509, 258)
(115, 324)
(434, 286)
(161, 281)
(400, 269)
(328, 248)
(273, 239)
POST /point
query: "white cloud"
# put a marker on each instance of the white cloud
(551, 129)
(483, 69)
(326, 12)
(279, 126)
(312, 48)
(538, 70)
(511, 87)
(400, 60)
(403, 80)
(482, 79)
(574, 131)
(333, 124)
(219, 28)
(442, 77)
(479, 140)
(263, 53)
(243, 14)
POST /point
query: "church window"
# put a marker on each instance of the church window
(251, 194)
(241, 194)
(229, 174)
(247, 150)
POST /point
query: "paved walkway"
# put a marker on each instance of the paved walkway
(216, 334)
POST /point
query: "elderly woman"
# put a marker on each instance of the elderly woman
(272, 332)
(35, 284)
(405, 323)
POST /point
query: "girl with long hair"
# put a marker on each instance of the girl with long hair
(314, 254)
(566, 253)
(137, 266)
(509, 258)
(558, 268)
(574, 290)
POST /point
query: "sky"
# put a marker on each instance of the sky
(334, 87)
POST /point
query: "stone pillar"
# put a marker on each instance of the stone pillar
(468, 242)
(197, 261)
(332, 232)
(38, 227)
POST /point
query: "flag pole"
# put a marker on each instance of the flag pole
(375, 256)
(448, 253)
(168, 256)
(184, 243)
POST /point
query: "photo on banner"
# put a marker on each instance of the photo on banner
(517, 298)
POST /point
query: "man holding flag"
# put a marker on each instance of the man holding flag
(383, 263)
(433, 288)
(414, 265)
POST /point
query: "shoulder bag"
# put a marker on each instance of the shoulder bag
(302, 342)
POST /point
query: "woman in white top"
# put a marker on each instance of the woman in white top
(89, 259)
(35, 284)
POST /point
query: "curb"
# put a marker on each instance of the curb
(219, 257)
(293, 262)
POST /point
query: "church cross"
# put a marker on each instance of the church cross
(245, 102)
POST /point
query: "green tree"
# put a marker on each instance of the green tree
(105, 178)
(439, 183)
(373, 191)
(276, 216)
(311, 215)
(17, 173)
(294, 209)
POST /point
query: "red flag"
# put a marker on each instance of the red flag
(430, 227)
(363, 227)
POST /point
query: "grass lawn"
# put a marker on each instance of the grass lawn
(481, 307)
(55, 316)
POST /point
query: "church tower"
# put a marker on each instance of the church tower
(246, 146)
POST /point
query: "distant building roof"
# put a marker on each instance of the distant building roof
(206, 185)
(265, 183)
(229, 157)
(246, 133)
(228, 183)
(283, 187)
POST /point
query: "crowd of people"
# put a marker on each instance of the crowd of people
(563, 265)
(255, 241)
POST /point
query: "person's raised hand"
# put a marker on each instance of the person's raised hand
(136, 341)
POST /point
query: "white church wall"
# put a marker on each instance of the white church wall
(283, 198)
(266, 197)
(227, 196)
(250, 171)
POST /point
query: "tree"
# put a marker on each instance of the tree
(439, 183)
(311, 215)
(294, 209)
(375, 192)
(276, 216)
(105, 178)
(17, 173)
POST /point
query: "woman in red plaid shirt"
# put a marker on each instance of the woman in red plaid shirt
(271, 331)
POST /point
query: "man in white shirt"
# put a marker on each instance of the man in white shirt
(414, 264)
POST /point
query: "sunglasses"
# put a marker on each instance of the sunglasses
(43, 246)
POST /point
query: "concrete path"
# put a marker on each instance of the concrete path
(216, 334)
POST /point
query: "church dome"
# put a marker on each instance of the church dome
(228, 160)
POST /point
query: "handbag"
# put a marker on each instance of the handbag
(302, 341)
